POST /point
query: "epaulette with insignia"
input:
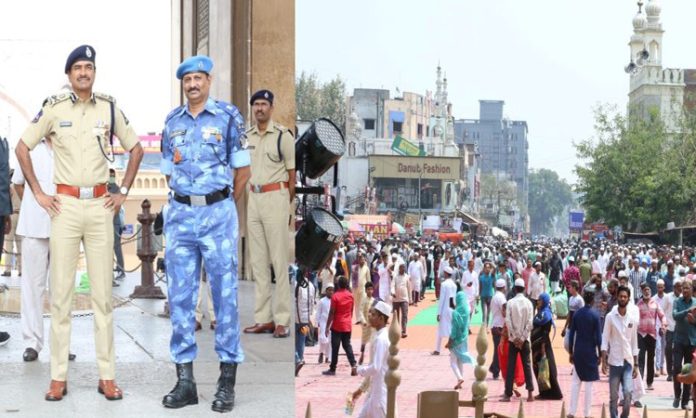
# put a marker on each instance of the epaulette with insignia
(56, 98)
(228, 108)
(173, 113)
(105, 97)
(283, 129)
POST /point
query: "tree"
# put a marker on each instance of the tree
(315, 100)
(636, 173)
(497, 195)
(548, 196)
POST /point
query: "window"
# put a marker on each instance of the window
(351, 149)
(420, 130)
(427, 130)
(397, 127)
(369, 124)
(201, 26)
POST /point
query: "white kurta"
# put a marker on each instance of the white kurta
(416, 273)
(384, 284)
(375, 405)
(447, 290)
(322, 316)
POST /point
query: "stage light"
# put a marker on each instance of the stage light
(319, 148)
(317, 239)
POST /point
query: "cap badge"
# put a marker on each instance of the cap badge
(88, 52)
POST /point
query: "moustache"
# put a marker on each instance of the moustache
(193, 89)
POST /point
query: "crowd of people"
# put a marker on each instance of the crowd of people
(628, 311)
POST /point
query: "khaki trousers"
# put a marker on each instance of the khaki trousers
(267, 231)
(89, 222)
(34, 277)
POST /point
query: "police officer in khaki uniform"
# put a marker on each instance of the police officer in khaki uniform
(272, 189)
(79, 124)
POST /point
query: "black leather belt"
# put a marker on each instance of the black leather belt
(203, 200)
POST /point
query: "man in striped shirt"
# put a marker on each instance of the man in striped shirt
(636, 276)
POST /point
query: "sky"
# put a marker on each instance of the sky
(552, 61)
(132, 42)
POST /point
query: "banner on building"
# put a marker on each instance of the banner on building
(577, 220)
(377, 231)
(431, 222)
(406, 148)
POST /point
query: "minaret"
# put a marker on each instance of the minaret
(637, 43)
(652, 34)
(438, 130)
(447, 114)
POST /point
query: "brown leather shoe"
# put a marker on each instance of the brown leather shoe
(213, 324)
(281, 332)
(57, 390)
(266, 328)
(198, 326)
(109, 389)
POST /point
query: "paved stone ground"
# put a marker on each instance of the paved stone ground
(143, 368)
(421, 371)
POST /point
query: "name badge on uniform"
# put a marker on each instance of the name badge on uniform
(630, 324)
(100, 129)
(177, 133)
(65, 124)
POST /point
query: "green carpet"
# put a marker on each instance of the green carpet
(428, 316)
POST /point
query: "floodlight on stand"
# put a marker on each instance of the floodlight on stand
(317, 238)
(319, 148)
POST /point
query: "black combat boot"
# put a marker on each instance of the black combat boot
(184, 393)
(224, 397)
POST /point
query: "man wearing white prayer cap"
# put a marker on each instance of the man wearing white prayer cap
(445, 307)
(375, 405)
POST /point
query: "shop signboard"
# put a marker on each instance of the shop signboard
(577, 219)
(405, 147)
(425, 168)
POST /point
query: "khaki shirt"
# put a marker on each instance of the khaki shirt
(266, 166)
(74, 127)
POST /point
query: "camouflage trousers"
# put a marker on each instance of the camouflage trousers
(208, 235)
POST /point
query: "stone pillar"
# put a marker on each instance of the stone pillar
(393, 376)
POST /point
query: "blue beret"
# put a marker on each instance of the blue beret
(197, 63)
(81, 53)
(262, 94)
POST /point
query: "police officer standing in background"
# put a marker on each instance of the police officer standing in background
(205, 164)
(272, 188)
(79, 124)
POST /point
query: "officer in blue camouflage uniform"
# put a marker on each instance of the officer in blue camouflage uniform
(206, 164)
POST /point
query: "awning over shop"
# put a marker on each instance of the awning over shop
(469, 219)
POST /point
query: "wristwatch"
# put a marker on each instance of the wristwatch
(123, 190)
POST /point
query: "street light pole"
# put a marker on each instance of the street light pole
(420, 175)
